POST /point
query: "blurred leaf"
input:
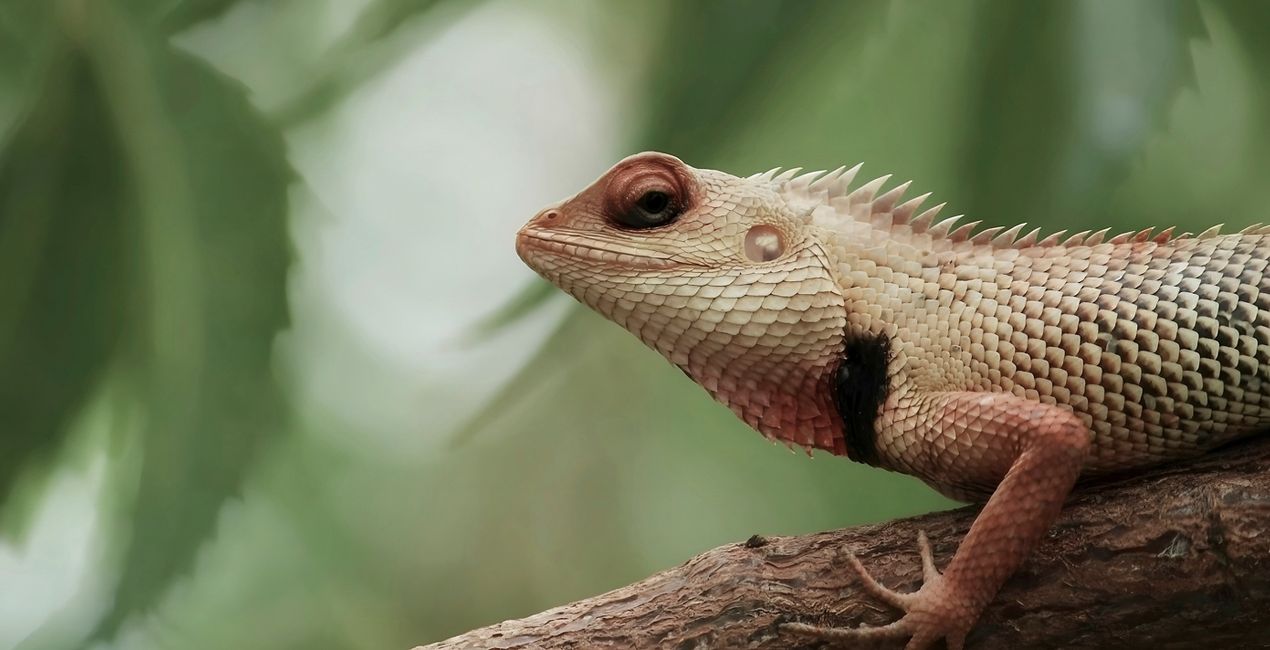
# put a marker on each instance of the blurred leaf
(553, 358)
(525, 302)
(24, 47)
(66, 261)
(381, 19)
(191, 12)
(175, 15)
(718, 61)
(1207, 167)
(366, 50)
(1024, 86)
(1250, 20)
(24, 29)
(1063, 97)
(196, 265)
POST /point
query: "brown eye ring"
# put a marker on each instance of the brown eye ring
(646, 192)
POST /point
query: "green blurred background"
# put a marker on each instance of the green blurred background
(271, 375)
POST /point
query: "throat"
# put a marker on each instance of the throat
(797, 410)
(785, 398)
(860, 387)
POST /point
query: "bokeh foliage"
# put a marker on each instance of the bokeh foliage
(145, 206)
(146, 198)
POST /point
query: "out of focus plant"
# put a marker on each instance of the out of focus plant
(145, 199)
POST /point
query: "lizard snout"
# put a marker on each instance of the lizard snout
(547, 219)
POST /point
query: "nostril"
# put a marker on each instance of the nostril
(548, 218)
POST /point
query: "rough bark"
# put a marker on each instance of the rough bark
(1176, 557)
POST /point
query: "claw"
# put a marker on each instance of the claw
(876, 589)
(929, 572)
(897, 630)
(921, 623)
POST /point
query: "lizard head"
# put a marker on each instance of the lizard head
(722, 275)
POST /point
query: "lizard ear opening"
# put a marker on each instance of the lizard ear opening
(764, 243)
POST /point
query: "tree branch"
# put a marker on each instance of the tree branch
(1176, 557)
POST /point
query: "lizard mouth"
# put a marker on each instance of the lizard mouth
(533, 243)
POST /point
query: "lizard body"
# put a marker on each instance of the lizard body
(992, 365)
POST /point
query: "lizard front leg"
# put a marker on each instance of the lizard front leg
(1031, 451)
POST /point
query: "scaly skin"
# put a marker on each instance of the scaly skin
(990, 365)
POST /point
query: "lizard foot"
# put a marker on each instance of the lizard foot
(932, 613)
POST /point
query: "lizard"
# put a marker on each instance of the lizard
(997, 366)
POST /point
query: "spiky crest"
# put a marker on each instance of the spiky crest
(868, 203)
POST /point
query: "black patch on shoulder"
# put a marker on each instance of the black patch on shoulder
(860, 387)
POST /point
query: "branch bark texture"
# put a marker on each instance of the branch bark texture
(1177, 557)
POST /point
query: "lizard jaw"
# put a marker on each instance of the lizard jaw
(536, 246)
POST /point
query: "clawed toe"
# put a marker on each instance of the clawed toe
(876, 589)
(919, 624)
(890, 596)
(929, 572)
(895, 630)
(917, 638)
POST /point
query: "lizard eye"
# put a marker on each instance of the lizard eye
(653, 208)
(647, 191)
(654, 202)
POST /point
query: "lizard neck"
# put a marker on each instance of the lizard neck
(767, 345)
(786, 396)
